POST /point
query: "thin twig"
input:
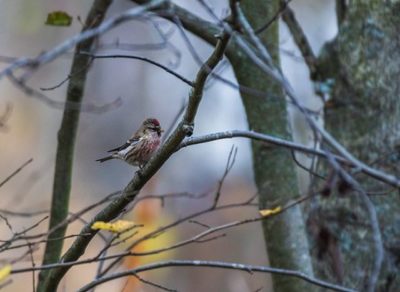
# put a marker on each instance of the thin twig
(199, 223)
(7, 222)
(18, 235)
(33, 265)
(153, 284)
(39, 241)
(284, 5)
(15, 172)
(6, 116)
(307, 169)
(176, 119)
(69, 105)
(147, 60)
(229, 164)
(6, 283)
(67, 78)
(300, 39)
(23, 214)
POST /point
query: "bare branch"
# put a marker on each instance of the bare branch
(300, 39)
(153, 284)
(15, 172)
(5, 117)
(6, 283)
(389, 179)
(309, 170)
(19, 235)
(176, 119)
(165, 68)
(283, 7)
(66, 79)
(229, 164)
(69, 105)
(217, 264)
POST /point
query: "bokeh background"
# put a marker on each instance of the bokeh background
(145, 92)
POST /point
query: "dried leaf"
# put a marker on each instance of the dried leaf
(116, 227)
(269, 212)
(58, 18)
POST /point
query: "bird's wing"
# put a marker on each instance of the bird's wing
(124, 146)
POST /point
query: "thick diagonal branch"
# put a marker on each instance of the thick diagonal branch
(184, 128)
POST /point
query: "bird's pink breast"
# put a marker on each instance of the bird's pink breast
(151, 146)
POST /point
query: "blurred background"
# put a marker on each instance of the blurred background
(145, 91)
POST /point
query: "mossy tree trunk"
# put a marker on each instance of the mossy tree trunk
(363, 114)
(275, 177)
(66, 144)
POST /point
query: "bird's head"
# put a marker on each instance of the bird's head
(152, 125)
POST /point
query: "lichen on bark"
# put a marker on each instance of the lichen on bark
(363, 115)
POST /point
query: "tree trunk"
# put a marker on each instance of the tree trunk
(275, 177)
(66, 144)
(363, 115)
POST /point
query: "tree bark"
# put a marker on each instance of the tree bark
(275, 177)
(363, 114)
(66, 144)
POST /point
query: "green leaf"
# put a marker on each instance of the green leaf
(58, 18)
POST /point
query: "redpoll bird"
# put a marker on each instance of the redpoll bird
(140, 147)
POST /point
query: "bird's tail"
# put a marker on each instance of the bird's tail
(105, 158)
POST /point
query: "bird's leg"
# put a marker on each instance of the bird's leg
(139, 171)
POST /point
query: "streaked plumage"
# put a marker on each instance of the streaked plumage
(140, 147)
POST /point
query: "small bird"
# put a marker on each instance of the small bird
(140, 147)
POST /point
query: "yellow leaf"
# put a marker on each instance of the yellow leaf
(5, 272)
(269, 212)
(116, 227)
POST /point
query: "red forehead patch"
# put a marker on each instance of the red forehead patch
(155, 122)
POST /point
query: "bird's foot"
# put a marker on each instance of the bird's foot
(139, 173)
